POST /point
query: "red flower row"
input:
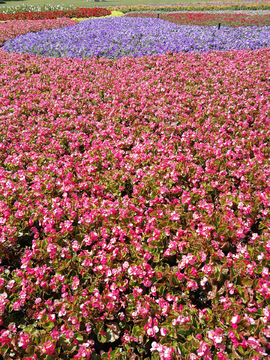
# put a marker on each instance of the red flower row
(76, 13)
(207, 19)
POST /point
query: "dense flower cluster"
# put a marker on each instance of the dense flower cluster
(136, 37)
(34, 8)
(134, 202)
(208, 19)
(209, 6)
(19, 27)
(73, 13)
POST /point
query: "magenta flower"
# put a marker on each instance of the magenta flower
(48, 348)
(234, 321)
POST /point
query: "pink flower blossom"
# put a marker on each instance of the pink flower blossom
(48, 348)
(235, 319)
(23, 341)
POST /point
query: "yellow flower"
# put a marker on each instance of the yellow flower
(113, 14)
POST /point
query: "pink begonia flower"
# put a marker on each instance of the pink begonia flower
(216, 336)
(55, 335)
(203, 351)
(10, 284)
(192, 285)
(170, 297)
(266, 332)
(165, 353)
(147, 283)
(48, 348)
(76, 283)
(12, 327)
(75, 246)
(163, 331)
(16, 305)
(74, 320)
(2, 282)
(84, 352)
(23, 341)
(69, 334)
(203, 281)
(153, 290)
(62, 312)
(175, 216)
(265, 272)
(255, 344)
(231, 288)
(234, 321)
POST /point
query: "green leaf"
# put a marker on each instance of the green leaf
(176, 345)
(50, 357)
(247, 282)
(79, 337)
(28, 328)
(259, 312)
(4, 349)
(183, 332)
(37, 340)
(136, 330)
(64, 266)
(49, 325)
(240, 350)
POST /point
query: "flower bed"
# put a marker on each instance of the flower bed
(134, 205)
(72, 13)
(207, 19)
(199, 7)
(16, 28)
(136, 37)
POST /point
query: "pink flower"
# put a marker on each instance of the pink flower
(175, 216)
(216, 336)
(192, 285)
(266, 332)
(55, 335)
(203, 349)
(76, 283)
(74, 320)
(23, 341)
(84, 352)
(69, 334)
(48, 348)
(62, 312)
(234, 321)
(253, 342)
(163, 331)
(16, 305)
(265, 272)
(75, 246)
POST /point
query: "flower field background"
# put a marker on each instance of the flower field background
(54, 14)
(134, 198)
(208, 19)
